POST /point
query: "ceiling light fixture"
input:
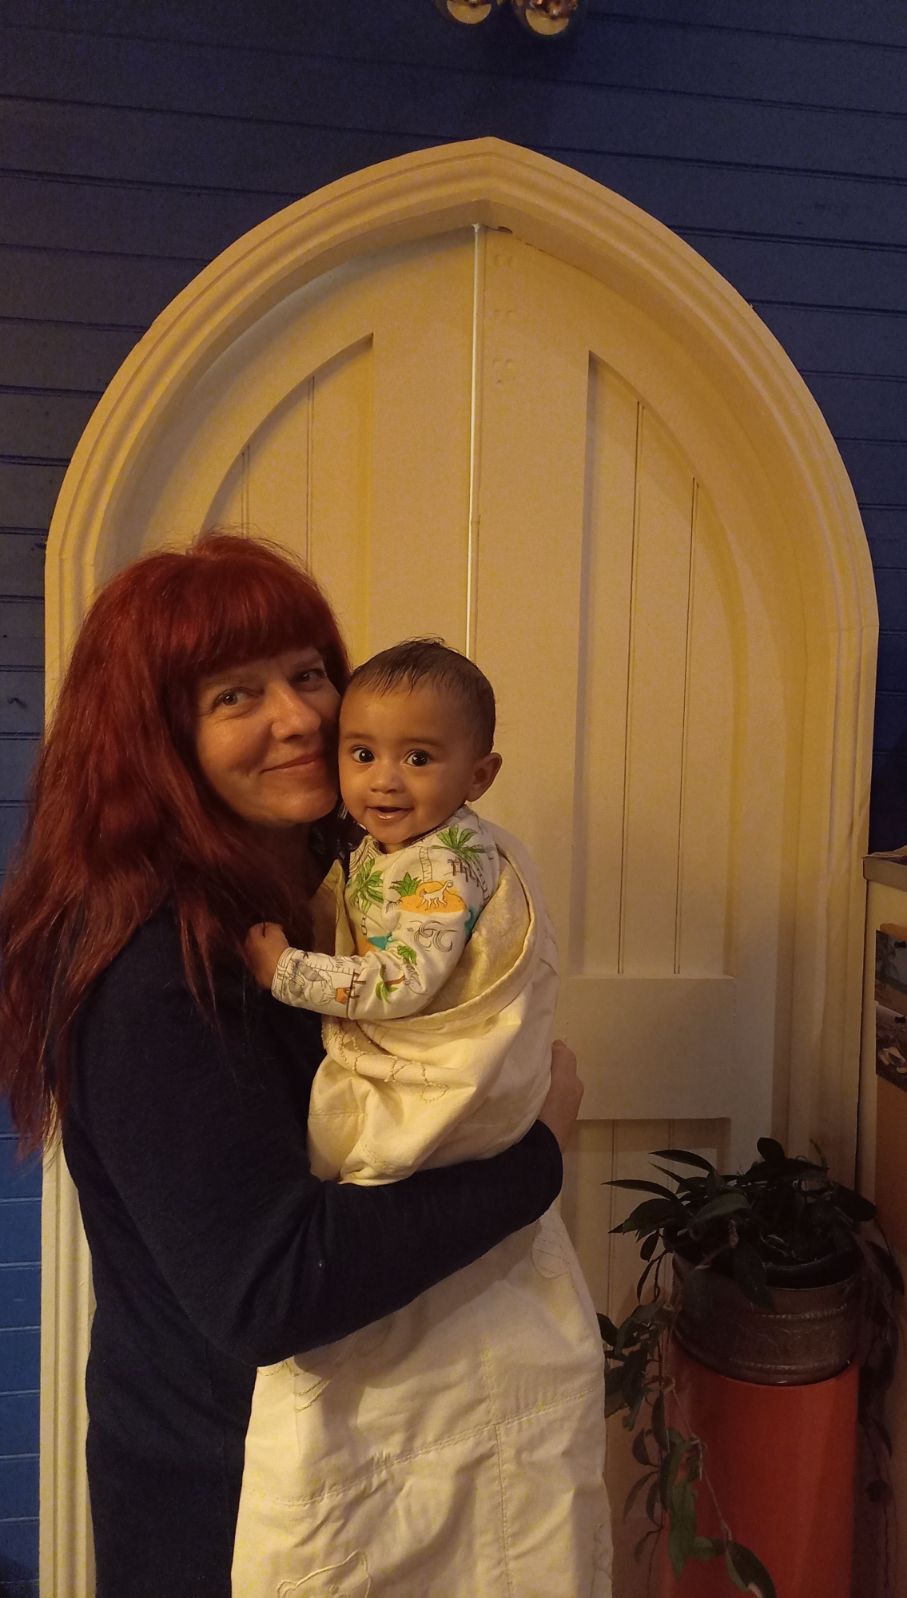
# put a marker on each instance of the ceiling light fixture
(546, 19)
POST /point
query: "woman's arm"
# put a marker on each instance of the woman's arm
(202, 1137)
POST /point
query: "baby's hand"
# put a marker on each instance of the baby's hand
(265, 943)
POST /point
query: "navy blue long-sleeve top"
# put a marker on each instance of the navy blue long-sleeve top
(215, 1250)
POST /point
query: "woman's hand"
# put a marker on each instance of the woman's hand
(265, 943)
(565, 1094)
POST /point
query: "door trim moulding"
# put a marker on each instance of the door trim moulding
(502, 186)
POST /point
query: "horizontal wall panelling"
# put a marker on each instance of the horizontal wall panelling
(21, 632)
(114, 290)
(28, 490)
(20, 1284)
(861, 407)
(128, 218)
(19, 1422)
(21, 702)
(641, 29)
(54, 354)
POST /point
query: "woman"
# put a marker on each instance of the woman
(185, 790)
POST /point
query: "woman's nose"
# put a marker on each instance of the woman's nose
(290, 714)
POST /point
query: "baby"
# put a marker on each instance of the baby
(457, 1446)
(437, 1049)
(415, 747)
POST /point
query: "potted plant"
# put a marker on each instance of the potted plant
(772, 1279)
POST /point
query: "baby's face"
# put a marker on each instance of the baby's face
(407, 761)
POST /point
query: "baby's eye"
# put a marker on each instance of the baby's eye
(360, 756)
(418, 757)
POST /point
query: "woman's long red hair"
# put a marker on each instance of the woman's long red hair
(121, 820)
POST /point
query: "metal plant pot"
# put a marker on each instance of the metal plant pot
(810, 1334)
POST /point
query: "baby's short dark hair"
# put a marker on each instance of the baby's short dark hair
(428, 660)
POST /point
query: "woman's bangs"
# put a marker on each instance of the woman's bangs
(256, 613)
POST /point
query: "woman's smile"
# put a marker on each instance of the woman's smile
(315, 759)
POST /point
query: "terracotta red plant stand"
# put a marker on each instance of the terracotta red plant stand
(782, 1463)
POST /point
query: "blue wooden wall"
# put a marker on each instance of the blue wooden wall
(137, 140)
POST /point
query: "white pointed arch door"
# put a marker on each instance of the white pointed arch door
(488, 399)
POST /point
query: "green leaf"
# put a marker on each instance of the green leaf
(681, 1524)
(642, 1187)
(723, 1204)
(706, 1547)
(685, 1184)
(854, 1205)
(647, 1217)
(456, 839)
(632, 1415)
(405, 953)
(637, 1488)
(684, 1157)
(736, 1579)
(406, 886)
(659, 1430)
(367, 886)
(640, 1546)
(607, 1328)
(747, 1572)
(615, 1399)
(652, 1265)
(640, 1449)
(670, 1465)
(770, 1149)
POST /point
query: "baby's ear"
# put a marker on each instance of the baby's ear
(484, 773)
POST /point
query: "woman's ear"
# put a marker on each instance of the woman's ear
(484, 773)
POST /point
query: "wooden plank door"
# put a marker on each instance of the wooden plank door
(467, 437)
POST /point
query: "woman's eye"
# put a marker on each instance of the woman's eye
(229, 698)
(418, 757)
(309, 675)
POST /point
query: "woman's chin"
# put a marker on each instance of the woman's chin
(302, 811)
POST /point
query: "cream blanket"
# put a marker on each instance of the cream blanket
(456, 1448)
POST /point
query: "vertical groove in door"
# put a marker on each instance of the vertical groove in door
(684, 727)
(337, 442)
(578, 866)
(610, 1306)
(245, 491)
(308, 445)
(475, 424)
(631, 631)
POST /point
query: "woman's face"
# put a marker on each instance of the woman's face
(266, 738)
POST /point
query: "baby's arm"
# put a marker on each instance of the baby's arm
(428, 915)
(265, 943)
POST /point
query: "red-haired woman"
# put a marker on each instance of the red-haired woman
(185, 790)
